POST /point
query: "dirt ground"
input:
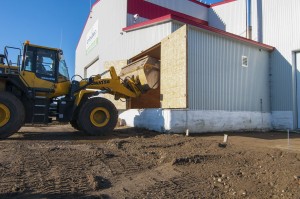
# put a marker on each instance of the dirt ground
(59, 162)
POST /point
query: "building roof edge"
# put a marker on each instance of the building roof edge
(170, 17)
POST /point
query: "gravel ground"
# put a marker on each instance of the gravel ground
(59, 162)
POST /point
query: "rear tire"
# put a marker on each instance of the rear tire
(97, 116)
(14, 114)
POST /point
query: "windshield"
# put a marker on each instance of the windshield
(63, 74)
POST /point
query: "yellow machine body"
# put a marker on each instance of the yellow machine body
(39, 89)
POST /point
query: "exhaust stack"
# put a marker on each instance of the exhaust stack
(248, 20)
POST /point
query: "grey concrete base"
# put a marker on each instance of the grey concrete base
(197, 121)
(282, 120)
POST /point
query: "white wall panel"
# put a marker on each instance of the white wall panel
(276, 23)
(184, 6)
(218, 81)
(114, 44)
(133, 42)
(230, 17)
(110, 26)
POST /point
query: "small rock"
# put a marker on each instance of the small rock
(15, 188)
(219, 180)
(242, 192)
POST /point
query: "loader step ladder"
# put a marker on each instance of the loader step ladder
(40, 109)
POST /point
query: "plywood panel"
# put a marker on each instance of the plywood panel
(174, 70)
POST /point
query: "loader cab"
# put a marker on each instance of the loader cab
(47, 64)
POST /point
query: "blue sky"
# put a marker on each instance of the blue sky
(45, 22)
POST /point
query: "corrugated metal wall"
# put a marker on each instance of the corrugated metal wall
(114, 44)
(184, 6)
(133, 42)
(216, 78)
(230, 17)
(107, 33)
(281, 28)
(176, 26)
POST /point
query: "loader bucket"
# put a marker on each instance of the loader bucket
(146, 69)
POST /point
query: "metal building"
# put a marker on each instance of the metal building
(273, 22)
(212, 77)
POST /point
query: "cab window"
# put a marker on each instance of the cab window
(63, 74)
(45, 62)
(28, 62)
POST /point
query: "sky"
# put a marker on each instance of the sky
(52, 23)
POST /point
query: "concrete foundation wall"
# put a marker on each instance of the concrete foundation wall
(282, 120)
(197, 121)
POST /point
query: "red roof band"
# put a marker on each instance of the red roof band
(189, 21)
(152, 11)
(159, 14)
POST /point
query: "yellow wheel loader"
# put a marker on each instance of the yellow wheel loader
(37, 89)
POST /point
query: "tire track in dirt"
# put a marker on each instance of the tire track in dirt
(147, 166)
(133, 185)
(42, 170)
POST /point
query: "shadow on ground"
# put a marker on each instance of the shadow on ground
(270, 135)
(49, 134)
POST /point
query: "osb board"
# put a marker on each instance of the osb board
(174, 70)
(118, 66)
(148, 100)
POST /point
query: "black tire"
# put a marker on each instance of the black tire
(17, 114)
(74, 124)
(97, 111)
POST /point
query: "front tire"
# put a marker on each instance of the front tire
(97, 116)
(75, 125)
(12, 114)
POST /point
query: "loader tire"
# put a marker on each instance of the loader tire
(74, 124)
(12, 114)
(97, 116)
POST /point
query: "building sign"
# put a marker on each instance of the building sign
(92, 38)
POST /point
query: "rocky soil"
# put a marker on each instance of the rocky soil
(59, 162)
